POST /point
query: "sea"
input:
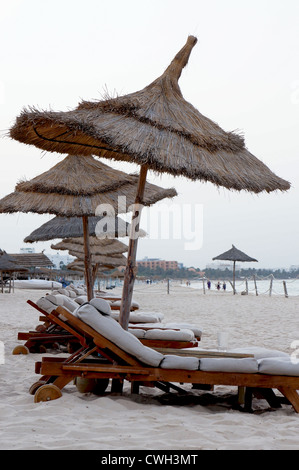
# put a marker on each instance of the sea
(263, 286)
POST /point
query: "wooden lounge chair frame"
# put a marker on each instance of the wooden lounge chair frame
(116, 364)
(37, 341)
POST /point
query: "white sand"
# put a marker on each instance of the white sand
(78, 421)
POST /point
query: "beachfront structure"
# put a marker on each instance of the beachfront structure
(159, 263)
(32, 261)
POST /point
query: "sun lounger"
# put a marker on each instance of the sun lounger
(50, 335)
(110, 353)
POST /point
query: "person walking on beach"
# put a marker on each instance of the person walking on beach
(218, 285)
(209, 284)
(224, 286)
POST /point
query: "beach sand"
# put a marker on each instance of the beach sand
(150, 420)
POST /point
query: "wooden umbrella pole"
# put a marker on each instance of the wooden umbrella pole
(130, 272)
(87, 259)
(94, 273)
(234, 277)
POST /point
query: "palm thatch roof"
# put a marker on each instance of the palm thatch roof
(96, 258)
(118, 274)
(32, 260)
(9, 264)
(77, 187)
(67, 227)
(113, 261)
(155, 127)
(97, 247)
(234, 255)
(78, 265)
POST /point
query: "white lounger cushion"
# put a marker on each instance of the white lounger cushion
(179, 362)
(112, 330)
(137, 332)
(81, 299)
(117, 303)
(188, 326)
(248, 365)
(101, 305)
(63, 300)
(172, 326)
(79, 291)
(181, 335)
(144, 317)
(46, 304)
(71, 293)
(279, 366)
(140, 317)
(63, 291)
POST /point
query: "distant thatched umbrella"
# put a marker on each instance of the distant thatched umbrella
(77, 187)
(9, 265)
(97, 247)
(107, 261)
(118, 274)
(157, 129)
(78, 265)
(67, 227)
(97, 258)
(78, 251)
(234, 255)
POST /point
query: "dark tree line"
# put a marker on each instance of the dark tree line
(215, 274)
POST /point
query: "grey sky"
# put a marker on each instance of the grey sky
(243, 74)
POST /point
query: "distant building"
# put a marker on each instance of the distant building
(59, 260)
(223, 266)
(153, 263)
(27, 250)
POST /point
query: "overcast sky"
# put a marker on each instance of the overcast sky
(243, 74)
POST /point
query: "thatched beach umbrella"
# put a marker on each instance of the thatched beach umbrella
(97, 255)
(234, 255)
(97, 247)
(9, 265)
(157, 129)
(72, 227)
(76, 187)
(66, 190)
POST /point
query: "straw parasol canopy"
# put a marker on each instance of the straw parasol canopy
(77, 187)
(118, 274)
(64, 190)
(97, 258)
(234, 255)
(97, 270)
(101, 262)
(157, 129)
(9, 265)
(97, 247)
(67, 227)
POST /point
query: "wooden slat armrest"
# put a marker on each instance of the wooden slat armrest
(105, 369)
(199, 354)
